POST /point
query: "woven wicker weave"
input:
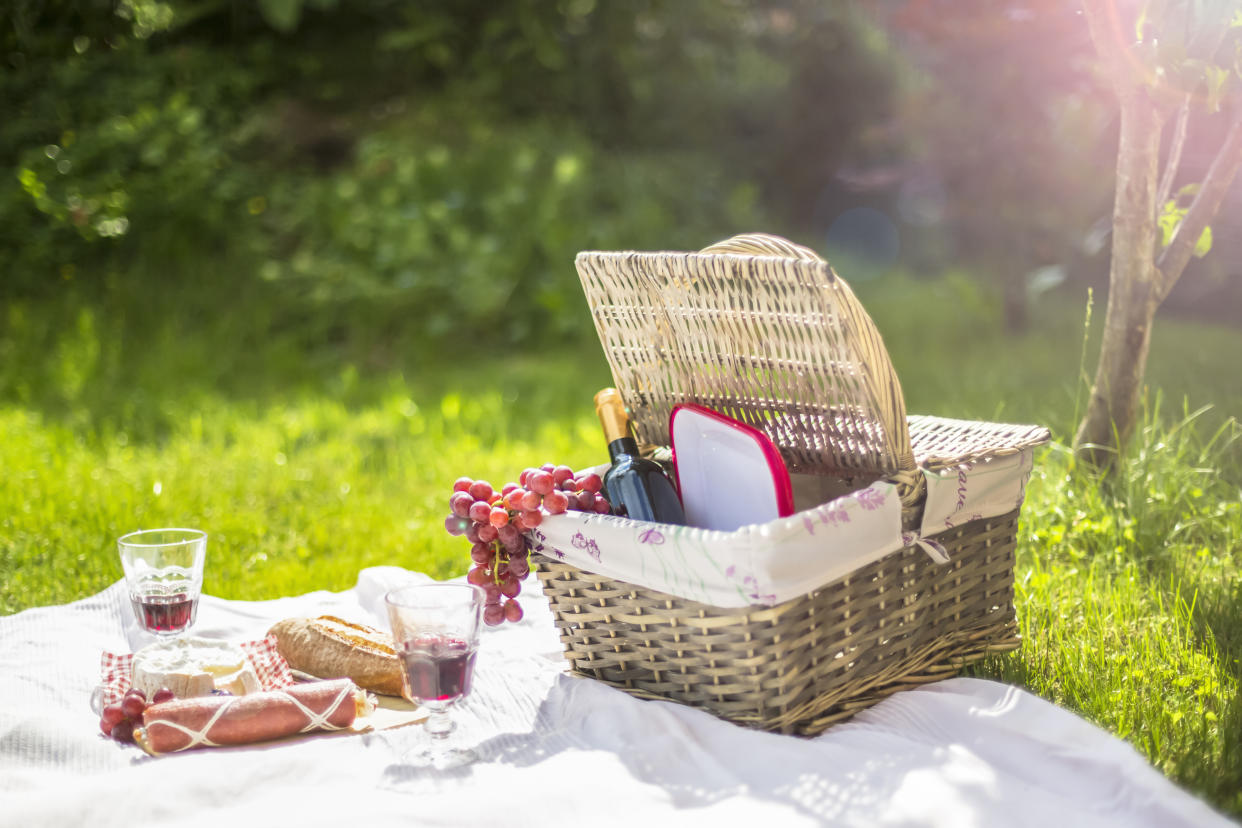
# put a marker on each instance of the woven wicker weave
(763, 330)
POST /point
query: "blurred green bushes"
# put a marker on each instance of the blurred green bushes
(411, 166)
(474, 231)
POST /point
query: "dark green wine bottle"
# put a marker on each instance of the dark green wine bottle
(635, 486)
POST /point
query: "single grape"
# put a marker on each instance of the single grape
(507, 531)
(132, 706)
(481, 490)
(123, 731)
(601, 506)
(460, 502)
(591, 482)
(499, 517)
(556, 502)
(510, 586)
(531, 501)
(514, 499)
(562, 473)
(493, 593)
(106, 726)
(478, 576)
(517, 546)
(113, 713)
(519, 568)
(493, 614)
(532, 519)
(513, 611)
(134, 691)
(507, 488)
(462, 484)
(524, 477)
(455, 525)
(482, 553)
(548, 467)
(480, 511)
(162, 695)
(472, 532)
(541, 482)
(487, 533)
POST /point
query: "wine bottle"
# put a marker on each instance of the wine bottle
(635, 486)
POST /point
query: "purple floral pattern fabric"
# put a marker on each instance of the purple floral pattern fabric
(769, 563)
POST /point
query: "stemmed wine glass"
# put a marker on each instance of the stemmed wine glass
(436, 631)
(164, 573)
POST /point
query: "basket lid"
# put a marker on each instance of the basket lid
(761, 330)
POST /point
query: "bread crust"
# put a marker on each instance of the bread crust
(329, 647)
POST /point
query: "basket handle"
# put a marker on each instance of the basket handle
(879, 375)
(763, 244)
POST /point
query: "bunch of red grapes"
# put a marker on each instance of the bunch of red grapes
(494, 522)
(119, 720)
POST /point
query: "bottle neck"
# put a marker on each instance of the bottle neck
(622, 446)
(611, 410)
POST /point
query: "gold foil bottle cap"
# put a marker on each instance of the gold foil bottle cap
(611, 411)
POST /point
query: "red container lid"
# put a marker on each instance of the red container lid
(729, 474)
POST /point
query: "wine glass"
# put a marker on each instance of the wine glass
(435, 628)
(164, 573)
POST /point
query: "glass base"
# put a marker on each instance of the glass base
(439, 757)
(435, 746)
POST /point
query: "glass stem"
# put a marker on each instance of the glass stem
(439, 723)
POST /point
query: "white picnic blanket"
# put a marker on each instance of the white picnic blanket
(555, 749)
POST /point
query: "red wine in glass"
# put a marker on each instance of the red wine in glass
(438, 668)
(164, 614)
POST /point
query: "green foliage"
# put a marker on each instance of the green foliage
(442, 181)
(473, 232)
(1171, 218)
(117, 149)
(284, 15)
(1190, 49)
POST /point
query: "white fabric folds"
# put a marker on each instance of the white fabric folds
(554, 749)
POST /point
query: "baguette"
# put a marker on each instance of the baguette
(328, 647)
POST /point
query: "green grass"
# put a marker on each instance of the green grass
(310, 452)
(1128, 595)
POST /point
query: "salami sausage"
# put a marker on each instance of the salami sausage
(216, 721)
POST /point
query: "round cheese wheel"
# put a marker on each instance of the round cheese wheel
(193, 667)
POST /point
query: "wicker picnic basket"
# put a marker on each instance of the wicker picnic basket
(765, 331)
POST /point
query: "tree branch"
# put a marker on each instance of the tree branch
(1176, 143)
(1104, 24)
(1176, 256)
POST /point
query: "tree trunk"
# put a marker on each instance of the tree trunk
(1133, 286)
(1138, 283)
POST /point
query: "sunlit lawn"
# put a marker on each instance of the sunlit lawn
(306, 465)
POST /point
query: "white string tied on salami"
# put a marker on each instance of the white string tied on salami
(315, 721)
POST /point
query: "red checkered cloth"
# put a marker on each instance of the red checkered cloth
(116, 671)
